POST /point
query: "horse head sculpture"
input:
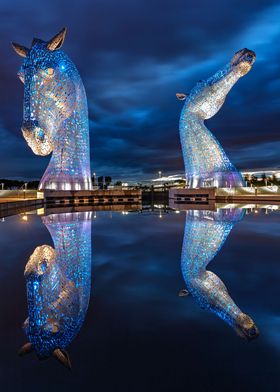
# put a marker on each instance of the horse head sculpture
(55, 115)
(206, 163)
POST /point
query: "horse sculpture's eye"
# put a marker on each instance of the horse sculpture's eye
(50, 72)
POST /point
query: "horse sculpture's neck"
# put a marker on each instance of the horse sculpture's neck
(206, 163)
(69, 167)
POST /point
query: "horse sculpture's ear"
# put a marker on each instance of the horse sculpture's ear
(63, 357)
(25, 349)
(183, 293)
(20, 50)
(57, 41)
(181, 96)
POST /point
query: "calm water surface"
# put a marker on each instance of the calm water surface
(138, 333)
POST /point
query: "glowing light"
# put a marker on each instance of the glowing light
(50, 71)
(40, 211)
(55, 118)
(206, 163)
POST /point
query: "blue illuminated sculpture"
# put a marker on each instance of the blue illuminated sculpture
(55, 117)
(58, 286)
(205, 234)
(206, 163)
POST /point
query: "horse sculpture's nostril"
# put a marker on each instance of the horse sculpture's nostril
(29, 125)
(253, 333)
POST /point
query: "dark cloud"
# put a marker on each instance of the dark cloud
(133, 57)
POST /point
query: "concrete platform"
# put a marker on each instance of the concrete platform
(205, 196)
(96, 197)
(13, 207)
(14, 202)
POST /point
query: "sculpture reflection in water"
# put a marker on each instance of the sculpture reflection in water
(205, 234)
(58, 286)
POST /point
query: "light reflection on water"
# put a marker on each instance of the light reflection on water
(137, 327)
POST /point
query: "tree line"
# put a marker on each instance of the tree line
(264, 180)
(18, 184)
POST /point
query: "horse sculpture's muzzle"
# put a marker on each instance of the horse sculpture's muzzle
(39, 141)
(246, 328)
(244, 60)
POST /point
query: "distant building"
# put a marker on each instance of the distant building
(170, 179)
(258, 173)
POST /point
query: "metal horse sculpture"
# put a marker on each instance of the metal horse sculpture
(58, 286)
(205, 234)
(55, 117)
(206, 163)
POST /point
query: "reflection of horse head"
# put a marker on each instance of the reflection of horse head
(58, 286)
(205, 234)
(55, 117)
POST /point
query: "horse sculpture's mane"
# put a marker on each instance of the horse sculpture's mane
(55, 118)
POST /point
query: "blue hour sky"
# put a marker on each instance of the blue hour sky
(133, 57)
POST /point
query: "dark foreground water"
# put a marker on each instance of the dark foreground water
(138, 334)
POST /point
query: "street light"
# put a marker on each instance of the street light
(24, 189)
(160, 173)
